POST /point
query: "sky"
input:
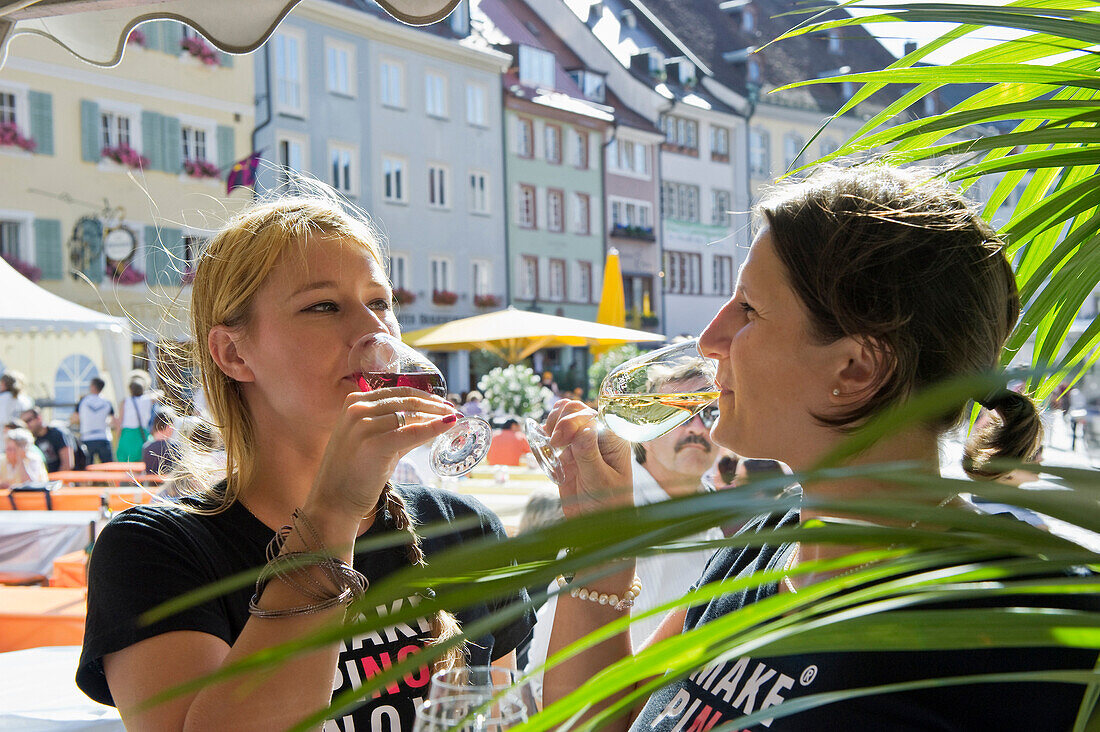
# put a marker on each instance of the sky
(894, 35)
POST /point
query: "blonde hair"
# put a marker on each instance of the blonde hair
(228, 275)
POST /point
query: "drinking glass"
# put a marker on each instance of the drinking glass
(476, 699)
(642, 399)
(380, 360)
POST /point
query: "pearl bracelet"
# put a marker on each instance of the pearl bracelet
(602, 598)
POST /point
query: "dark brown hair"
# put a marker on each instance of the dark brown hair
(903, 262)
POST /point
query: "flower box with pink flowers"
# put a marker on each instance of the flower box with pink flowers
(444, 297)
(201, 169)
(11, 137)
(486, 301)
(125, 155)
(200, 49)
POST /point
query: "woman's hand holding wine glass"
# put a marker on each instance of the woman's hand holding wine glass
(594, 471)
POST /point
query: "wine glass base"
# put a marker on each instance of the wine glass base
(545, 456)
(458, 450)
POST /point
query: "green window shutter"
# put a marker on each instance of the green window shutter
(89, 132)
(152, 136)
(173, 147)
(47, 248)
(163, 256)
(225, 60)
(41, 106)
(171, 36)
(227, 155)
(152, 31)
(91, 233)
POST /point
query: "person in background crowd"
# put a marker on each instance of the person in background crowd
(509, 445)
(135, 415)
(862, 287)
(93, 415)
(22, 463)
(51, 440)
(472, 407)
(732, 472)
(280, 298)
(17, 424)
(161, 452)
(13, 402)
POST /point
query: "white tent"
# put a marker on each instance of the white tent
(38, 329)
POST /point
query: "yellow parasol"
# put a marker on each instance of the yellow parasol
(612, 310)
(516, 334)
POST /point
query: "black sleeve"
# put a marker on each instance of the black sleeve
(509, 637)
(142, 558)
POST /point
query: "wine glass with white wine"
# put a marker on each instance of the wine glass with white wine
(643, 398)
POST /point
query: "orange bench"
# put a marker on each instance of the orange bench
(41, 616)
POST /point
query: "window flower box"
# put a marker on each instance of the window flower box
(29, 271)
(486, 301)
(403, 297)
(137, 37)
(444, 297)
(125, 155)
(634, 232)
(10, 136)
(649, 321)
(201, 169)
(200, 49)
(719, 158)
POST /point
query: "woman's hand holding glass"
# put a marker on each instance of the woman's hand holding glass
(594, 469)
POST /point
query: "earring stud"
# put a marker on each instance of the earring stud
(836, 392)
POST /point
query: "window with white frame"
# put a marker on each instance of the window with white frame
(399, 271)
(584, 282)
(723, 275)
(626, 213)
(592, 85)
(394, 180)
(117, 128)
(439, 186)
(536, 67)
(525, 207)
(289, 72)
(719, 142)
(441, 274)
(528, 284)
(683, 273)
(479, 192)
(582, 213)
(627, 156)
(720, 207)
(291, 154)
(578, 144)
(476, 96)
(680, 201)
(7, 109)
(557, 280)
(482, 277)
(681, 132)
(792, 149)
(343, 175)
(392, 83)
(340, 68)
(11, 238)
(759, 154)
(752, 71)
(435, 94)
(555, 210)
(525, 138)
(193, 141)
(553, 143)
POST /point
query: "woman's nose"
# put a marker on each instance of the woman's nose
(713, 342)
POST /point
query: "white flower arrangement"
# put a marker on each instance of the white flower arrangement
(514, 390)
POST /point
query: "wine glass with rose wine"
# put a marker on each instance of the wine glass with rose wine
(380, 360)
(643, 398)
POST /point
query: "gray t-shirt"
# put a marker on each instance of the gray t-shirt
(94, 411)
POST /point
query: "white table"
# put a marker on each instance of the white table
(38, 694)
(31, 540)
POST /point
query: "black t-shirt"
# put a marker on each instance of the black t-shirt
(149, 554)
(51, 443)
(727, 690)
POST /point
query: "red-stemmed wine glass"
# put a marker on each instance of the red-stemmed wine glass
(381, 360)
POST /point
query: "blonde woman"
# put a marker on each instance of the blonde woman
(22, 463)
(280, 296)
